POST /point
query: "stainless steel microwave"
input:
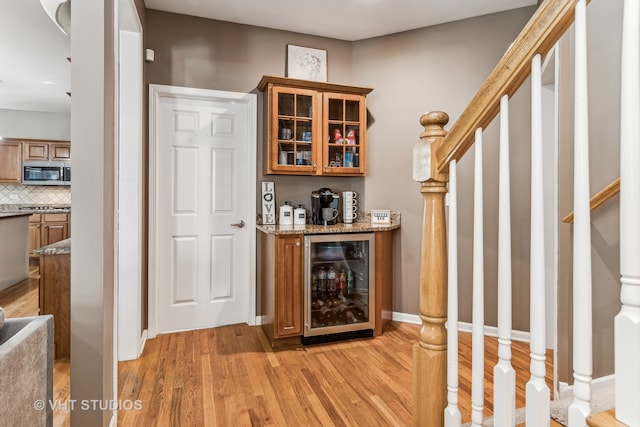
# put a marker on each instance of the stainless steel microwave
(46, 173)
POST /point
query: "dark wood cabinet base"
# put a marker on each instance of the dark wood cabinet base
(55, 298)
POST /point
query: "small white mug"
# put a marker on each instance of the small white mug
(350, 216)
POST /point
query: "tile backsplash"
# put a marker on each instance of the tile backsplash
(35, 194)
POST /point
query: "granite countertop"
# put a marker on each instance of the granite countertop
(357, 227)
(13, 214)
(34, 208)
(63, 247)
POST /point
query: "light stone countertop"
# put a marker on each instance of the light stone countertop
(63, 247)
(24, 208)
(357, 227)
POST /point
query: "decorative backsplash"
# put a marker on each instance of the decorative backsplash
(35, 194)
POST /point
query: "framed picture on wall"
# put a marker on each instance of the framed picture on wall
(306, 63)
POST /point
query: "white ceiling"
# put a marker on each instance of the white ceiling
(34, 50)
(339, 19)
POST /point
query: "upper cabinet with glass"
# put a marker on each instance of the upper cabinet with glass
(314, 128)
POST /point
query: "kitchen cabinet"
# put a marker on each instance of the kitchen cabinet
(48, 228)
(10, 162)
(289, 286)
(281, 285)
(46, 151)
(55, 293)
(314, 128)
(282, 292)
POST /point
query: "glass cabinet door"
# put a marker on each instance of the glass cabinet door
(295, 131)
(339, 283)
(344, 133)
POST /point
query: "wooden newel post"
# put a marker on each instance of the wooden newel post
(430, 353)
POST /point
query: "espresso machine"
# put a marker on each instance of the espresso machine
(324, 198)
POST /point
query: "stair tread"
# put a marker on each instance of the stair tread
(605, 419)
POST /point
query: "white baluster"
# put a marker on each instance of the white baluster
(452, 417)
(627, 322)
(504, 376)
(477, 340)
(537, 392)
(582, 312)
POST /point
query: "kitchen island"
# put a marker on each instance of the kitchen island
(14, 252)
(55, 291)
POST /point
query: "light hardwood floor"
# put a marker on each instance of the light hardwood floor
(230, 376)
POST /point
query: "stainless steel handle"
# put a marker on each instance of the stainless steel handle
(238, 224)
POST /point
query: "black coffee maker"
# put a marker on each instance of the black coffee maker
(323, 198)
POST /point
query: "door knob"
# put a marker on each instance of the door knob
(238, 224)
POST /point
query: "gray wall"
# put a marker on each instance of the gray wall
(604, 18)
(436, 68)
(35, 125)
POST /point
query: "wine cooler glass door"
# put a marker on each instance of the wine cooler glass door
(339, 283)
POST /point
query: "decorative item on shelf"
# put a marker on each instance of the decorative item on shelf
(380, 217)
(351, 137)
(306, 63)
(348, 159)
(268, 202)
(306, 136)
(285, 133)
(337, 136)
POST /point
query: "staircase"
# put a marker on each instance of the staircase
(436, 159)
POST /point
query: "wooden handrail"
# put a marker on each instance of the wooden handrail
(602, 196)
(550, 21)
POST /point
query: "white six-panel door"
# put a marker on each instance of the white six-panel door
(200, 227)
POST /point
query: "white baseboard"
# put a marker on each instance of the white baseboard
(405, 318)
(491, 331)
(258, 320)
(566, 390)
(142, 342)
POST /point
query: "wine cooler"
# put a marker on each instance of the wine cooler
(339, 287)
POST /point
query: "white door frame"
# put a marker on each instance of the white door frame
(130, 336)
(156, 92)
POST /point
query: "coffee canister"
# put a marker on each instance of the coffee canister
(299, 215)
(286, 214)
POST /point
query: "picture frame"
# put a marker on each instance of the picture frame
(306, 63)
(380, 216)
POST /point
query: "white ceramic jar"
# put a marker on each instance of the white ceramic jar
(286, 214)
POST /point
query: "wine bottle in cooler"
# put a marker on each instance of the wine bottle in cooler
(322, 280)
(331, 280)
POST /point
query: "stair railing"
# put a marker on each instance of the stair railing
(599, 198)
(435, 164)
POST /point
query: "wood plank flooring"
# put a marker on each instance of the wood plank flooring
(230, 376)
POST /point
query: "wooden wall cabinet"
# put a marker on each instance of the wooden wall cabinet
(314, 128)
(48, 228)
(46, 151)
(10, 162)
